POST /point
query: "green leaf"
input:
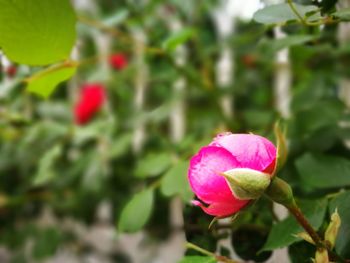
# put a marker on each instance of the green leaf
(278, 44)
(343, 14)
(37, 32)
(197, 259)
(153, 165)
(47, 242)
(45, 172)
(175, 182)
(283, 233)
(44, 82)
(323, 171)
(117, 17)
(178, 38)
(342, 204)
(281, 13)
(120, 145)
(137, 212)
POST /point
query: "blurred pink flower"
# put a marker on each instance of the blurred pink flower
(118, 61)
(91, 99)
(227, 151)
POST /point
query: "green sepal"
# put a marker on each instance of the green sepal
(280, 192)
(282, 151)
(247, 184)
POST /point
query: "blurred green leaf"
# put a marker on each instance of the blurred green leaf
(342, 204)
(177, 39)
(328, 5)
(117, 17)
(175, 182)
(37, 32)
(152, 165)
(343, 14)
(46, 243)
(120, 145)
(283, 233)
(46, 173)
(44, 82)
(278, 44)
(95, 173)
(323, 171)
(93, 131)
(197, 259)
(281, 13)
(137, 212)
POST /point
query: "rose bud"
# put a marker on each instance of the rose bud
(231, 171)
(118, 61)
(91, 99)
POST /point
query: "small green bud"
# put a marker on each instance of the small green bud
(332, 229)
(321, 256)
(247, 184)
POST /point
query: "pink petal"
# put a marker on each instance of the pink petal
(222, 209)
(251, 151)
(204, 174)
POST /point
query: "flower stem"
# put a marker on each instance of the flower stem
(190, 245)
(303, 20)
(210, 254)
(299, 216)
(296, 12)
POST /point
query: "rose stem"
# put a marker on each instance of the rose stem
(208, 253)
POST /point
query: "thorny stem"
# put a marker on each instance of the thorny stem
(210, 254)
(297, 213)
(299, 216)
(280, 192)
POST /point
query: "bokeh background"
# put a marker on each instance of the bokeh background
(115, 188)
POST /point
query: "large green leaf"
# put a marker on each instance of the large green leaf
(44, 82)
(197, 259)
(342, 203)
(175, 182)
(281, 13)
(37, 32)
(137, 212)
(282, 233)
(152, 165)
(324, 171)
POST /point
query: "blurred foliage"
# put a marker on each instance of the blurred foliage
(48, 161)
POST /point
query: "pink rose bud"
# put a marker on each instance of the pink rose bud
(92, 98)
(230, 171)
